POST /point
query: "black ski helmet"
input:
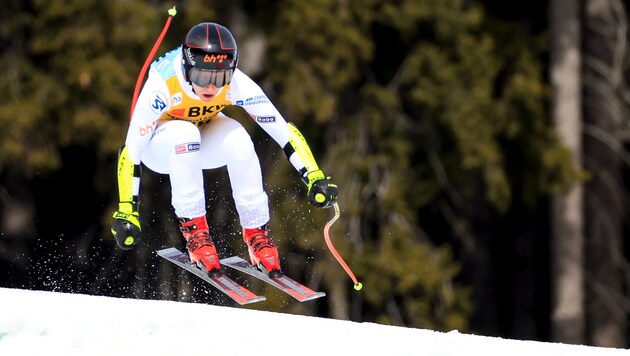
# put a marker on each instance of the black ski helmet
(209, 55)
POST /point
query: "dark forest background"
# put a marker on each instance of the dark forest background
(480, 148)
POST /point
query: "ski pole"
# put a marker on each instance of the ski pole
(171, 13)
(357, 285)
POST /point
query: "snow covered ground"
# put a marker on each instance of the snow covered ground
(46, 323)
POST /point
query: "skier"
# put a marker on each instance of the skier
(178, 128)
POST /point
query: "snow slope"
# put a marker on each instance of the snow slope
(48, 323)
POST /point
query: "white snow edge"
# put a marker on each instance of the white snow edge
(49, 323)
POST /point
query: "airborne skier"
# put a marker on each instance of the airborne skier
(178, 128)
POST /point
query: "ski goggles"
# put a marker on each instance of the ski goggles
(205, 77)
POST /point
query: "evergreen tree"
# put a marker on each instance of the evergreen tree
(433, 127)
(430, 115)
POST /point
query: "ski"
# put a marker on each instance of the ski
(219, 280)
(281, 281)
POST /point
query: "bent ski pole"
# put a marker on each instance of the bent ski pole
(357, 285)
(298, 143)
(171, 13)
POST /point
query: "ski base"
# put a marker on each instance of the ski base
(295, 289)
(220, 281)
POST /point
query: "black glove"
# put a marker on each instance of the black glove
(126, 226)
(322, 192)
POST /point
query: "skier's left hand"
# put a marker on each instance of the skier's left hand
(322, 192)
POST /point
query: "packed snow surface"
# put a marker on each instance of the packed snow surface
(48, 323)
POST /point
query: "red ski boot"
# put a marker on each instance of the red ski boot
(199, 243)
(262, 252)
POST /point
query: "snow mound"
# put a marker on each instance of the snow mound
(49, 323)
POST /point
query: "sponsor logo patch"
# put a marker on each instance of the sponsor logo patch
(191, 57)
(265, 119)
(258, 99)
(158, 101)
(212, 58)
(187, 147)
(177, 99)
(147, 129)
(197, 111)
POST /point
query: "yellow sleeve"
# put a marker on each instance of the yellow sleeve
(128, 182)
(297, 145)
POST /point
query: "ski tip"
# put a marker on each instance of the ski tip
(315, 296)
(254, 300)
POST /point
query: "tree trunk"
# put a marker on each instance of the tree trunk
(605, 52)
(567, 319)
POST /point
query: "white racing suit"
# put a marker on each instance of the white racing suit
(174, 132)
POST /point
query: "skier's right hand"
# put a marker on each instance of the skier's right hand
(126, 226)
